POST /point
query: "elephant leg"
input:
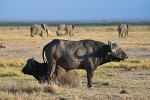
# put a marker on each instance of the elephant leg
(127, 33)
(69, 33)
(47, 33)
(121, 34)
(72, 33)
(32, 33)
(41, 34)
(65, 34)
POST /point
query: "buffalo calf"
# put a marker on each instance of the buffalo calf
(38, 70)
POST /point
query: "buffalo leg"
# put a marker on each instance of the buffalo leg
(89, 77)
(51, 69)
(53, 65)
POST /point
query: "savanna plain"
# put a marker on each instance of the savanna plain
(125, 80)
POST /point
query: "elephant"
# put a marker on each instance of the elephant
(60, 33)
(69, 30)
(123, 29)
(61, 30)
(39, 29)
(61, 27)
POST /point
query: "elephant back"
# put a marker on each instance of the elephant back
(123, 27)
(61, 27)
(69, 27)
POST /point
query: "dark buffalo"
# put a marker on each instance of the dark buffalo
(83, 54)
(38, 70)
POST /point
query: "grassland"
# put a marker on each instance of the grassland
(131, 75)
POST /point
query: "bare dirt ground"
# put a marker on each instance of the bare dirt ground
(19, 45)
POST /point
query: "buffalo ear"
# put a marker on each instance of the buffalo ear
(114, 47)
(33, 62)
(109, 46)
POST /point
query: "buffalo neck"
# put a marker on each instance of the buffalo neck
(104, 59)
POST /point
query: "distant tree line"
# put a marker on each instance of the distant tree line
(77, 23)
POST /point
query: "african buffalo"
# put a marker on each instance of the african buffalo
(38, 70)
(83, 54)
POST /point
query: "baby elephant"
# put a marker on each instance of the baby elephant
(38, 70)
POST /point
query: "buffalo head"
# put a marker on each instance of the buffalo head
(30, 67)
(116, 53)
(36, 69)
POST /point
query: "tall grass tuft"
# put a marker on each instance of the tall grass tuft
(52, 88)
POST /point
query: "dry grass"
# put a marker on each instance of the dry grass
(131, 63)
(131, 75)
(27, 88)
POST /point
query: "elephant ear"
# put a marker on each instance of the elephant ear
(44, 26)
(127, 26)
